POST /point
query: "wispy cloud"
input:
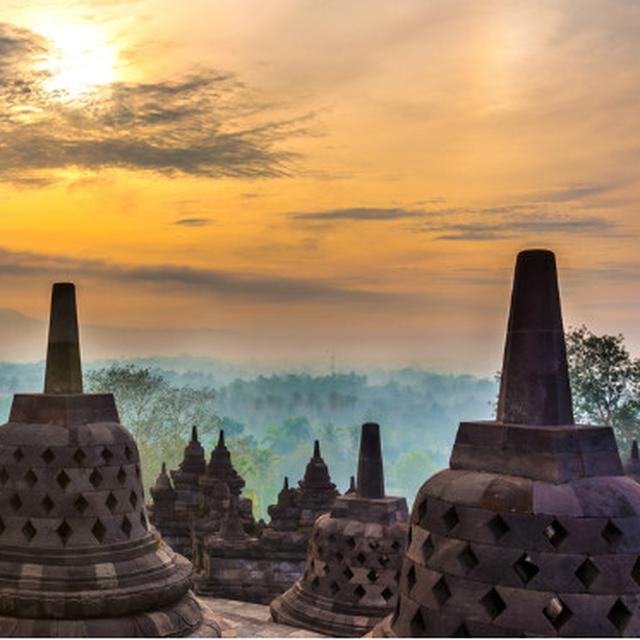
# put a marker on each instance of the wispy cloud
(206, 124)
(516, 226)
(359, 214)
(256, 287)
(193, 222)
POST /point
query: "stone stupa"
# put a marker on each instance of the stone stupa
(533, 530)
(354, 557)
(77, 557)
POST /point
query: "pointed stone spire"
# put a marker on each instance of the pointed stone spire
(221, 444)
(63, 368)
(316, 449)
(351, 491)
(194, 433)
(370, 471)
(634, 451)
(285, 484)
(534, 388)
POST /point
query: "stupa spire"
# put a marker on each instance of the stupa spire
(534, 389)
(370, 482)
(194, 433)
(316, 449)
(634, 450)
(63, 368)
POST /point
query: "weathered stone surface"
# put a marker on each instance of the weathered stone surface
(355, 553)
(534, 530)
(77, 555)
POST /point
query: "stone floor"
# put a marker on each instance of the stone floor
(248, 620)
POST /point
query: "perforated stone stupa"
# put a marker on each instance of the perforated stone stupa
(353, 562)
(77, 557)
(533, 530)
(260, 566)
(176, 498)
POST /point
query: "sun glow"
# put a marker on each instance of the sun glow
(81, 58)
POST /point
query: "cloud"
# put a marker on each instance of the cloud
(572, 193)
(192, 222)
(359, 214)
(206, 124)
(258, 288)
(514, 227)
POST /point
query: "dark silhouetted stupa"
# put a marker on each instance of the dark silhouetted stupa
(533, 530)
(77, 557)
(354, 557)
(632, 467)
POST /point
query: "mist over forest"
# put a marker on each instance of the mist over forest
(271, 418)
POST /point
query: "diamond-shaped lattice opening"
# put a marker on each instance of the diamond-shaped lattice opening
(18, 455)
(555, 533)
(359, 592)
(347, 573)
(396, 545)
(525, 568)
(63, 480)
(351, 543)
(468, 559)
(411, 577)
(361, 558)
(143, 520)
(111, 502)
(334, 587)
(106, 454)
(128, 454)
(339, 557)
(315, 583)
(2, 527)
(373, 575)
(99, 530)
(387, 594)
(421, 511)
(31, 478)
(612, 534)
(557, 613)
(427, 548)
(587, 572)
(122, 475)
(47, 504)
(619, 615)
(4, 476)
(418, 627)
(635, 572)
(384, 560)
(48, 456)
(15, 502)
(79, 456)
(81, 504)
(441, 591)
(64, 531)
(29, 531)
(373, 544)
(461, 632)
(126, 526)
(133, 499)
(498, 527)
(138, 471)
(450, 518)
(95, 478)
(493, 604)
(326, 569)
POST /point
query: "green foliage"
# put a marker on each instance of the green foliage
(605, 382)
(158, 415)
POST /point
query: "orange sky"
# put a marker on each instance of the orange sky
(302, 178)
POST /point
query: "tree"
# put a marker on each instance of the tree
(158, 415)
(605, 382)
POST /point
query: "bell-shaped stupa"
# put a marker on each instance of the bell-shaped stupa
(317, 492)
(533, 530)
(354, 556)
(77, 557)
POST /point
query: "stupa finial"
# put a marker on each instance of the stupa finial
(370, 482)
(194, 433)
(534, 388)
(63, 369)
(221, 439)
(634, 450)
(316, 449)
